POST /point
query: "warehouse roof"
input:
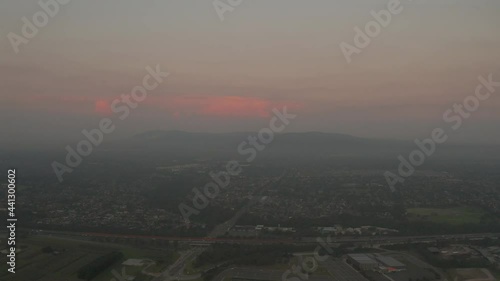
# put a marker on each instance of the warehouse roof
(389, 261)
(361, 258)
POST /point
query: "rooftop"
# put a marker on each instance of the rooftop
(389, 261)
(361, 258)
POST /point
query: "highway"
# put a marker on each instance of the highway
(175, 272)
(305, 240)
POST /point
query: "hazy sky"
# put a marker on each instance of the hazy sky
(227, 76)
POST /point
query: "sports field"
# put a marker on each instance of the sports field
(471, 274)
(454, 216)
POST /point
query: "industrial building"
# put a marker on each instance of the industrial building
(362, 261)
(390, 262)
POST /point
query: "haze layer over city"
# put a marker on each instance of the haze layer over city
(243, 140)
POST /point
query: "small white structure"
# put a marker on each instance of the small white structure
(133, 262)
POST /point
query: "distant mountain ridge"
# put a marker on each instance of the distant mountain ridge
(292, 144)
(178, 133)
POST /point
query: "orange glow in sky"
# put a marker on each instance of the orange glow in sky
(102, 107)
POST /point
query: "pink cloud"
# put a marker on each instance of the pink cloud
(220, 106)
(177, 106)
(235, 106)
(103, 107)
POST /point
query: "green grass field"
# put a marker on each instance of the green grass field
(453, 216)
(32, 264)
